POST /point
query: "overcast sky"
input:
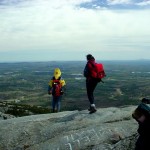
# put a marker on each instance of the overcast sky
(45, 30)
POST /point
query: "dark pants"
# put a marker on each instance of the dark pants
(90, 87)
(144, 136)
(56, 103)
(142, 144)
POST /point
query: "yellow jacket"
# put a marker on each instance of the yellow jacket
(57, 75)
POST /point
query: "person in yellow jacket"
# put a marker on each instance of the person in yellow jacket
(56, 87)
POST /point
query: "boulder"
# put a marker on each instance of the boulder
(107, 129)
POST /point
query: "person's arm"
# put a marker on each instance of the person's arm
(50, 87)
(86, 71)
(63, 84)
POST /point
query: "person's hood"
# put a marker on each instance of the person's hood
(57, 73)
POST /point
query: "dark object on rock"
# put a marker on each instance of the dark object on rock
(146, 101)
(142, 116)
(4, 117)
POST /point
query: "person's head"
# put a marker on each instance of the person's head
(145, 100)
(138, 115)
(141, 113)
(89, 57)
(57, 73)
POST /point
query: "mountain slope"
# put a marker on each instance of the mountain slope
(108, 128)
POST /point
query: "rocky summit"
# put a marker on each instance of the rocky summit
(108, 129)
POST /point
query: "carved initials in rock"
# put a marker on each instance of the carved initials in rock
(77, 140)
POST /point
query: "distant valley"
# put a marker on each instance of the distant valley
(26, 83)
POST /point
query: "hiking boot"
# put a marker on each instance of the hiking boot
(90, 109)
(93, 110)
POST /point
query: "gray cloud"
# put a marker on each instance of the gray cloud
(50, 26)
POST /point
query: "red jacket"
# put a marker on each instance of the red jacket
(88, 68)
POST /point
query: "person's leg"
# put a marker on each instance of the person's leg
(90, 86)
(53, 104)
(58, 103)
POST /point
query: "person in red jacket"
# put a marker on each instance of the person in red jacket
(91, 82)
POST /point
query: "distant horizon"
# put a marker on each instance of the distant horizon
(40, 61)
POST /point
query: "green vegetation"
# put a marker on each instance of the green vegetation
(19, 110)
(26, 84)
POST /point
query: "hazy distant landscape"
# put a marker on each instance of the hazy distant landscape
(26, 83)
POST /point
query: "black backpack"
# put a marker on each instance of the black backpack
(145, 108)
